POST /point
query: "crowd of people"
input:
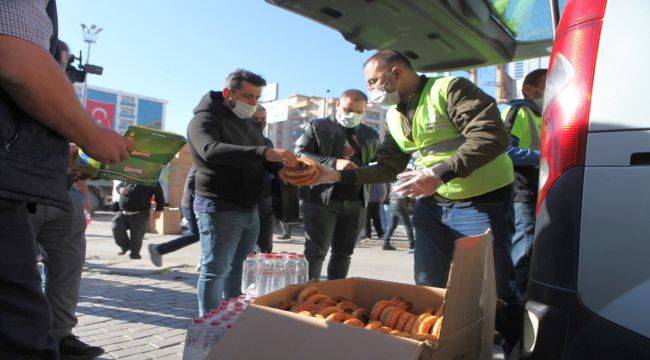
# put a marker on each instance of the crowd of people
(449, 154)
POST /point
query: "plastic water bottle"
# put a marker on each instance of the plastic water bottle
(42, 272)
(278, 273)
(264, 282)
(303, 275)
(248, 274)
(193, 349)
(290, 270)
(212, 336)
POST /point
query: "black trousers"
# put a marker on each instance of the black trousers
(183, 241)
(137, 224)
(265, 237)
(25, 316)
(335, 225)
(373, 217)
(399, 213)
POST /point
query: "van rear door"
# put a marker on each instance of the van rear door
(438, 34)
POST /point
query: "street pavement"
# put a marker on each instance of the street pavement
(135, 310)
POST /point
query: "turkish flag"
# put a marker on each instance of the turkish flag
(103, 112)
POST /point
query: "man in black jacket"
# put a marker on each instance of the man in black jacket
(133, 214)
(231, 159)
(334, 214)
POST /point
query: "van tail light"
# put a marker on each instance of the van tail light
(568, 91)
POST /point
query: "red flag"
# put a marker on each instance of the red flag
(103, 112)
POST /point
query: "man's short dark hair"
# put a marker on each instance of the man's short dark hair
(389, 58)
(355, 95)
(236, 78)
(63, 46)
(534, 76)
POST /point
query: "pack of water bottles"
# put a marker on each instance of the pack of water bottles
(205, 332)
(265, 273)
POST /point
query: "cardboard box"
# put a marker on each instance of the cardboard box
(467, 333)
(169, 222)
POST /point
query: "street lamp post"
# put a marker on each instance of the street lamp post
(90, 37)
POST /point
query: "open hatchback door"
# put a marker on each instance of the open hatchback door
(438, 34)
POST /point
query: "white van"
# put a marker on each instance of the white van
(589, 289)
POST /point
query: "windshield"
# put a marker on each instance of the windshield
(526, 20)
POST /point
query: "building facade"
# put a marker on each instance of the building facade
(287, 117)
(116, 109)
(519, 69)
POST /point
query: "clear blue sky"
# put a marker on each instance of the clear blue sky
(179, 49)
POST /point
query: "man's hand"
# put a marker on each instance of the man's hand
(156, 214)
(283, 156)
(348, 152)
(343, 164)
(327, 175)
(107, 146)
(419, 184)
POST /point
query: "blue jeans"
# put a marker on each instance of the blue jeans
(226, 238)
(185, 240)
(522, 242)
(437, 228)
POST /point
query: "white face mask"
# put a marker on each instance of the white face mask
(243, 110)
(348, 119)
(380, 96)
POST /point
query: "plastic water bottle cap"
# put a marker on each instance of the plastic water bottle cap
(239, 304)
(241, 297)
(215, 311)
(207, 316)
(232, 313)
(198, 321)
(225, 318)
(250, 256)
(215, 322)
(232, 300)
(225, 302)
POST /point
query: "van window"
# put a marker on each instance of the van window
(525, 20)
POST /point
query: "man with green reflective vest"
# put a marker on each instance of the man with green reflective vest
(463, 177)
(523, 118)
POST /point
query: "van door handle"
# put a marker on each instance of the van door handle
(640, 159)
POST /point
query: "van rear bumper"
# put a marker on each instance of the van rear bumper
(566, 329)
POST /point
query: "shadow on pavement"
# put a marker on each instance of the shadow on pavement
(161, 298)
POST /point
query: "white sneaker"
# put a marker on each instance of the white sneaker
(154, 255)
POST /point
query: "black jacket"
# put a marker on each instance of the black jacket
(324, 141)
(33, 158)
(187, 201)
(228, 154)
(526, 177)
(135, 197)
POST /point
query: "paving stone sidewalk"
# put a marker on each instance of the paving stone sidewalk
(136, 314)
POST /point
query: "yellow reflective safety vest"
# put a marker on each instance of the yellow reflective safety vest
(526, 126)
(435, 138)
